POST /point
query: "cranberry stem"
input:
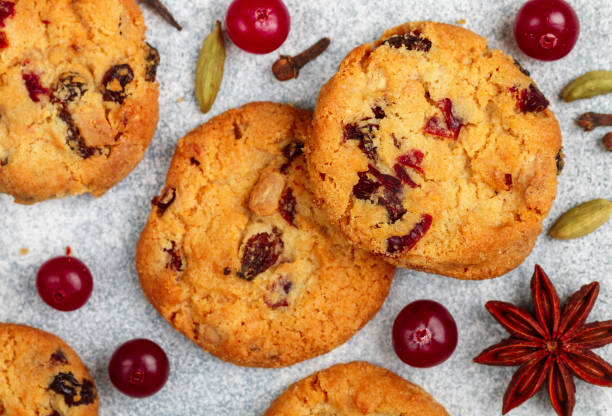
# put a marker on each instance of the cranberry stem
(548, 41)
(422, 335)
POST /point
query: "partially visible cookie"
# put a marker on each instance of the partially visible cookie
(78, 97)
(436, 152)
(236, 255)
(355, 389)
(41, 375)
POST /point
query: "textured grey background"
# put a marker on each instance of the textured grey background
(104, 232)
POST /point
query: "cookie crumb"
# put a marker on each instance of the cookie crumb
(461, 21)
(180, 100)
(24, 251)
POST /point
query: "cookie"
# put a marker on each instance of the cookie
(78, 97)
(355, 389)
(436, 152)
(236, 256)
(41, 375)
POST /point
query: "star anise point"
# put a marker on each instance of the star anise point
(550, 345)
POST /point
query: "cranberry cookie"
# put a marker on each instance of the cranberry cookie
(78, 97)
(436, 152)
(355, 389)
(236, 256)
(41, 375)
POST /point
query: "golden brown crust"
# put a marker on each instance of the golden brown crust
(85, 38)
(482, 226)
(30, 360)
(355, 389)
(314, 297)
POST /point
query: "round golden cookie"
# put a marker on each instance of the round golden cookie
(355, 389)
(41, 375)
(78, 97)
(236, 256)
(436, 152)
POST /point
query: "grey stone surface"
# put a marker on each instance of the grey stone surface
(103, 232)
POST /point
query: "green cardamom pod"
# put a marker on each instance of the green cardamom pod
(588, 85)
(582, 219)
(209, 69)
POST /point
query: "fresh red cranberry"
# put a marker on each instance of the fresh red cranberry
(64, 283)
(139, 368)
(546, 29)
(257, 26)
(424, 334)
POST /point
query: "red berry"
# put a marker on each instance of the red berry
(257, 26)
(546, 29)
(64, 283)
(139, 368)
(424, 334)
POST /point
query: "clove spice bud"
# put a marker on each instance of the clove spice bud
(607, 141)
(589, 121)
(163, 11)
(288, 67)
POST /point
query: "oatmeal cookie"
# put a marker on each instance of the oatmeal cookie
(41, 375)
(78, 97)
(436, 152)
(355, 389)
(236, 256)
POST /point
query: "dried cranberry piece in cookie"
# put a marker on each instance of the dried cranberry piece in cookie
(453, 124)
(397, 244)
(286, 206)
(366, 187)
(115, 80)
(4, 43)
(508, 180)
(152, 59)
(531, 100)
(278, 292)
(70, 87)
(393, 204)
(369, 188)
(291, 151)
(411, 41)
(379, 113)
(366, 143)
(74, 140)
(58, 357)
(175, 262)
(75, 393)
(163, 201)
(34, 87)
(403, 176)
(7, 10)
(413, 159)
(261, 252)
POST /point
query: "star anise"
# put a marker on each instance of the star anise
(550, 345)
